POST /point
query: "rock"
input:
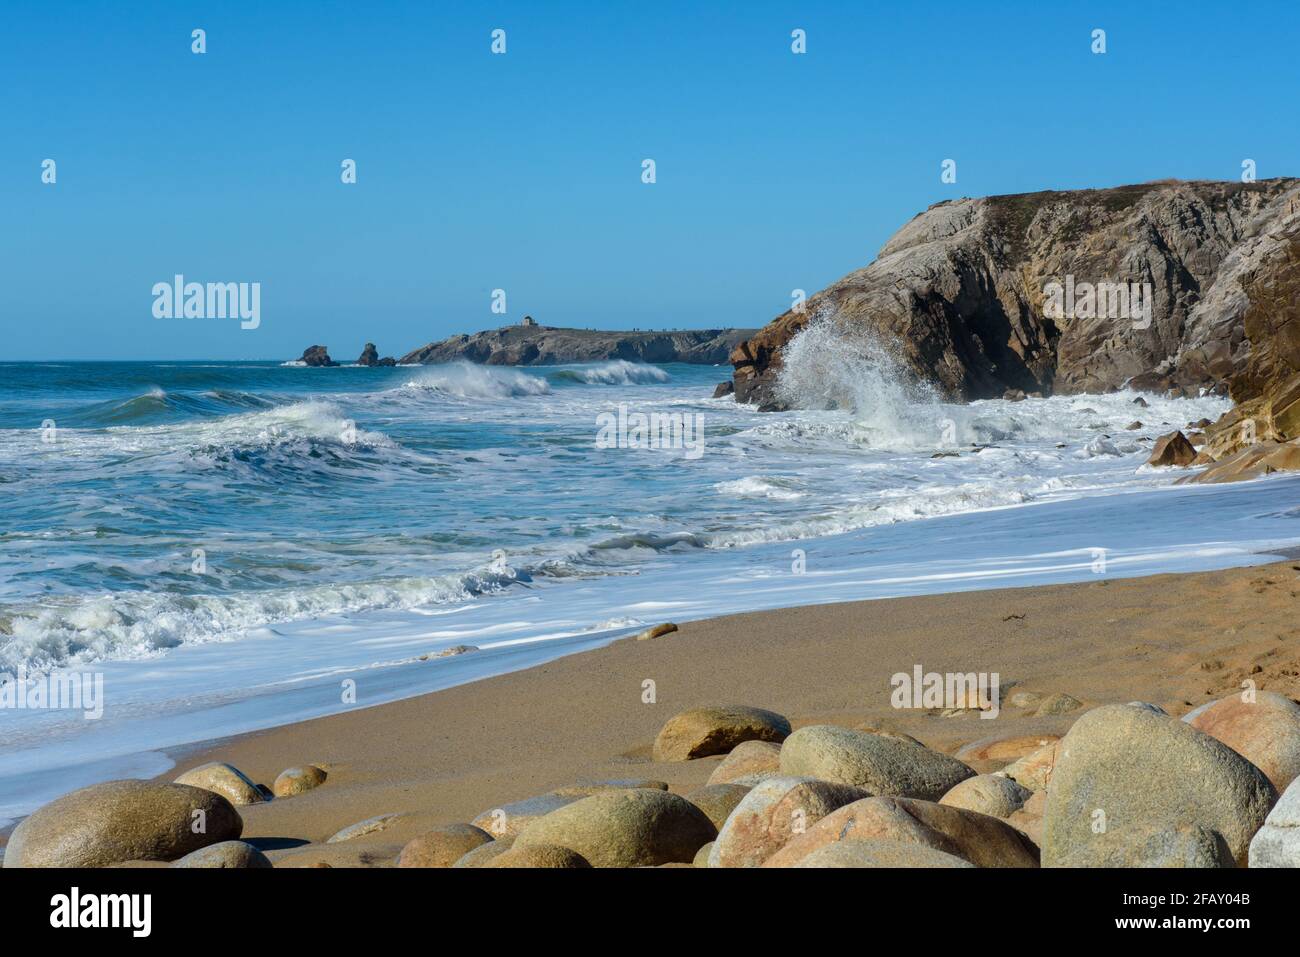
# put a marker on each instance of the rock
(703, 731)
(1028, 820)
(1252, 462)
(225, 854)
(1153, 845)
(872, 727)
(989, 794)
(773, 811)
(443, 846)
(548, 345)
(1172, 449)
(1024, 699)
(538, 855)
(1004, 749)
(658, 631)
(724, 389)
(746, 758)
(1141, 402)
(298, 780)
(317, 356)
(370, 357)
(880, 854)
(121, 821)
(223, 779)
(484, 853)
(1133, 426)
(587, 789)
(702, 855)
(1058, 704)
(983, 840)
(625, 828)
(717, 801)
(881, 765)
(509, 819)
(1148, 706)
(1277, 843)
(1266, 732)
(370, 825)
(1140, 768)
(1034, 770)
(1014, 395)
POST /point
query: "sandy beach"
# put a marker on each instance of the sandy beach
(1178, 641)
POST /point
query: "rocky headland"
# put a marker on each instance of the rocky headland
(530, 344)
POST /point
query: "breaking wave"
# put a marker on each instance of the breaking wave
(468, 381)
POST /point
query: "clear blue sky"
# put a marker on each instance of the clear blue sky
(523, 171)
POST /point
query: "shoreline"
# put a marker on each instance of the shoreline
(1177, 640)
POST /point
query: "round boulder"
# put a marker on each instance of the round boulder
(625, 828)
(226, 854)
(746, 758)
(703, 731)
(771, 813)
(122, 821)
(297, 780)
(879, 764)
(1153, 845)
(1264, 730)
(224, 779)
(509, 820)
(880, 854)
(482, 855)
(990, 794)
(443, 846)
(539, 855)
(1128, 767)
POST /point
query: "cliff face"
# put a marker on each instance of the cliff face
(961, 295)
(545, 345)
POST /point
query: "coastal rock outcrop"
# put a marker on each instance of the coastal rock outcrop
(120, 821)
(370, 357)
(524, 345)
(960, 296)
(317, 356)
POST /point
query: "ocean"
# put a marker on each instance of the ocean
(235, 545)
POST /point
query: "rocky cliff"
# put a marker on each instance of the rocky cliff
(963, 297)
(547, 345)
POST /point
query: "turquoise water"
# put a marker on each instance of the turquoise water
(225, 542)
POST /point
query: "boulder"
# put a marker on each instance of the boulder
(1034, 770)
(879, 764)
(1003, 748)
(702, 855)
(724, 389)
(771, 813)
(1058, 704)
(122, 821)
(1028, 819)
(509, 820)
(317, 356)
(1130, 767)
(1172, 449)
(1277, 844)
(880, 854)
(225, 854)
(1265, 731)
(588, 788)
(1153, 845)
(748, 757)
(625, 828)
(703, 731)
(658, 631)
(443, 846)
(717, 801)
(538, 855)
(990, 794)
(482, 855)
(297, 780)
(983, 840)
(224, 779)
(1250, 462)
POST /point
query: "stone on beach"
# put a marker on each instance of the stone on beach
(983, 840)
(1128, 767)
(1158, 844)
(121, 821)
(1277, 843)
(1034, 770)
(482, 855)
(1058, 703)
(990, 794)
(587, 789)
(1265, 731)
(370, 825)
(1172, 449)
(1003, 748)
(298, 780)
(539, 855)
(224, 779)
(509, 820)
(717, 801)
(879, 764)
(442, 846)
(880, 854)
(226, 854)
(658, 631)
(625, 828)
(773, 811)
(699, 732)
(748, 757)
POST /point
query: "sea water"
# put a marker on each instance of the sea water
(235, 545)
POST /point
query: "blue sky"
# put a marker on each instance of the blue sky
(523, 171)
